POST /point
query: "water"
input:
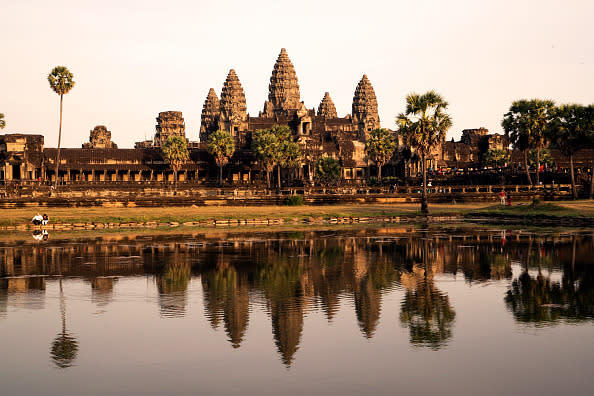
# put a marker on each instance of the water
(341, 311)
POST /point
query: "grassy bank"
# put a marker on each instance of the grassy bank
(184, 214)
(558, 209)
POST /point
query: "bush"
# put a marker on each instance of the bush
(535, 201)
(294, 200)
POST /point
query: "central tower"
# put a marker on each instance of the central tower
(283, 91)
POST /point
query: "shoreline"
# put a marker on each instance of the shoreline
(577, 213)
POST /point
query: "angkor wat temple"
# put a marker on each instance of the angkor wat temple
(318, 133)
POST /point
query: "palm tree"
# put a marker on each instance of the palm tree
(327, 170)
(423, 126)
(286, 148)
(2, 121)
(175, 151)
(589, 122)
(379, 147)
(526, 124)
(291, 155)
(568, 134)
(266, 146)
(495, 157)
(222, 146)
(61, 82)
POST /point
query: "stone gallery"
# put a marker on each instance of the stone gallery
(318, 132)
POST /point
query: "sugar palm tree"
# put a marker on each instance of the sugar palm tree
(526, 124)
(2, 121)
(175, 151)
(379, 147)
(221, 145)
(266, 147)
(568, 133)
(285, 149)
(291, 155)
(327, 170)
(589, 122)
(61, 82)
(423, 126)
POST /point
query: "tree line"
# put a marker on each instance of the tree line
(535, 124)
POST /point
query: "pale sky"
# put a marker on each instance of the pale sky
(133, 59)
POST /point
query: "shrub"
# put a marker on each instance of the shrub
(535, 201)
(294, 200)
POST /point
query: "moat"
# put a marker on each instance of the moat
(395, 309)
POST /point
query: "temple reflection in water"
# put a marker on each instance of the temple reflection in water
(549, 277)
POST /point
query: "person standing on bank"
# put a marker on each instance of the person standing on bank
(502, 197)
(37, 219)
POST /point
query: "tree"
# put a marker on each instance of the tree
(175, 151)
(423, 126)
(265, 146)
(286, 149)
(568, 133)
(495, 157)
(291, 155)
(545, 158)
(327, 170)
(61, 82)
(2, 121)
(222, 146)
(379, 147)
(526, 124)
(589, 126)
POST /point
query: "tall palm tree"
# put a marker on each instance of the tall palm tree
(221, 145)
(61, 82)
(379, 147)
(423, 126)
(175, 150)
(568, 133)
(286, 148)
(266, 146)
(2, 121)
(526, 124)
(589, 122)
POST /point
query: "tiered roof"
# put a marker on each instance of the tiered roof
(210, 115)
(365, 101)
(327, 108)
(232, 104)
(283, 91)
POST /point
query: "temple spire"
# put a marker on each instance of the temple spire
(283, 91)
(327, 108)
(365, 114)
(232, 104)
(210, 115)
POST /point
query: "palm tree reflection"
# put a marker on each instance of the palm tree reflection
(539, 300)
(64, 349)
(425, 310)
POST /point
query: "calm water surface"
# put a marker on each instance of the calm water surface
(343, 311)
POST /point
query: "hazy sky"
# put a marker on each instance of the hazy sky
(133, 59)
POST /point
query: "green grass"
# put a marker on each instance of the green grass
(539, 209)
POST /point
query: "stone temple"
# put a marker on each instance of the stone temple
(319, 132)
